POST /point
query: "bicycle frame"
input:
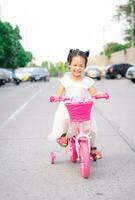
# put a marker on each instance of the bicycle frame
(81, 147)
(79, 143)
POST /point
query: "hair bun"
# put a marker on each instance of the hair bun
(71, 50)
(87, 53)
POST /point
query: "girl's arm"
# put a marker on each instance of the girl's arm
(92, 90)
(60, 90)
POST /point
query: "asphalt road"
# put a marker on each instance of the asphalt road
(25, 170)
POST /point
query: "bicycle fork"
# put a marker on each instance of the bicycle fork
(81, 137)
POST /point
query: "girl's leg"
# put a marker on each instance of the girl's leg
(60, 123)
(96, 154)
(93, 139)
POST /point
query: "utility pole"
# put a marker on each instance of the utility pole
(133, 22)
(103, 38)
(0, 10)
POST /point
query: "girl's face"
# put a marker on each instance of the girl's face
(77, 66)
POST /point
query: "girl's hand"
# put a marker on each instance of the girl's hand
(98, 94)
(55, 99)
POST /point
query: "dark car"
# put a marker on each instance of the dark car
(93, 72)
(39, 74)
(117, 70)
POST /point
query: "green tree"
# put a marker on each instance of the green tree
(126, 12)
(61, 68)
(114, 47)
(53, 70)
(12, 54)
(45, 64)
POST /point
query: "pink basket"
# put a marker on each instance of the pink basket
(79, 112)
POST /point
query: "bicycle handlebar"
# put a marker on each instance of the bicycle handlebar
(104, 96)
(58, 99)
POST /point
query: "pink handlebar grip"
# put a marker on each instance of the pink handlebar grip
(105, 96)
(52, 99)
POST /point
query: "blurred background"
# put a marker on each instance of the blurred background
(39, 34)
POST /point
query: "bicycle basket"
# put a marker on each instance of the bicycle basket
(79, 112)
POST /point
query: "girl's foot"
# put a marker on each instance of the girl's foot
(96, 154)
(62, 141)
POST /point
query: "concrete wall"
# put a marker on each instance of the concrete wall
(127, 56)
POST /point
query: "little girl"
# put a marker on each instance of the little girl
(74, 84)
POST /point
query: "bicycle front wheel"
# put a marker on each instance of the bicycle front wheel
(84, 159)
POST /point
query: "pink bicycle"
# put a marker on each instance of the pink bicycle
(79, 145)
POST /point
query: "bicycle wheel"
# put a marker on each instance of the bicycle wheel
(84, 159)
(73, 153)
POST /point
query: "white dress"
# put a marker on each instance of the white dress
(72, 89)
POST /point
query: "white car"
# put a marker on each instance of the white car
(130, 74)
(5, 76)
(22, 74)
(39, 74)
(93, 72)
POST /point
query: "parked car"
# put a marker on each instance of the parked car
(93, 72)
(38, 74)
(22, 74)
(5, 76)
(117, 70)
(130, 74)
(15, 79)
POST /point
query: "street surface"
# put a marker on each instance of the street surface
(25, 122)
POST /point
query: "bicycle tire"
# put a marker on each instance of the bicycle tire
(84, 159)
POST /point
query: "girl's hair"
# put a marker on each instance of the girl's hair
(77, 52)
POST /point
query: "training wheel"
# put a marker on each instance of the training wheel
(52, 156)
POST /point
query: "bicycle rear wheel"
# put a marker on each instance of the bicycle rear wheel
(84, 159)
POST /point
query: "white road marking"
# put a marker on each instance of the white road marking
(19, 110)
